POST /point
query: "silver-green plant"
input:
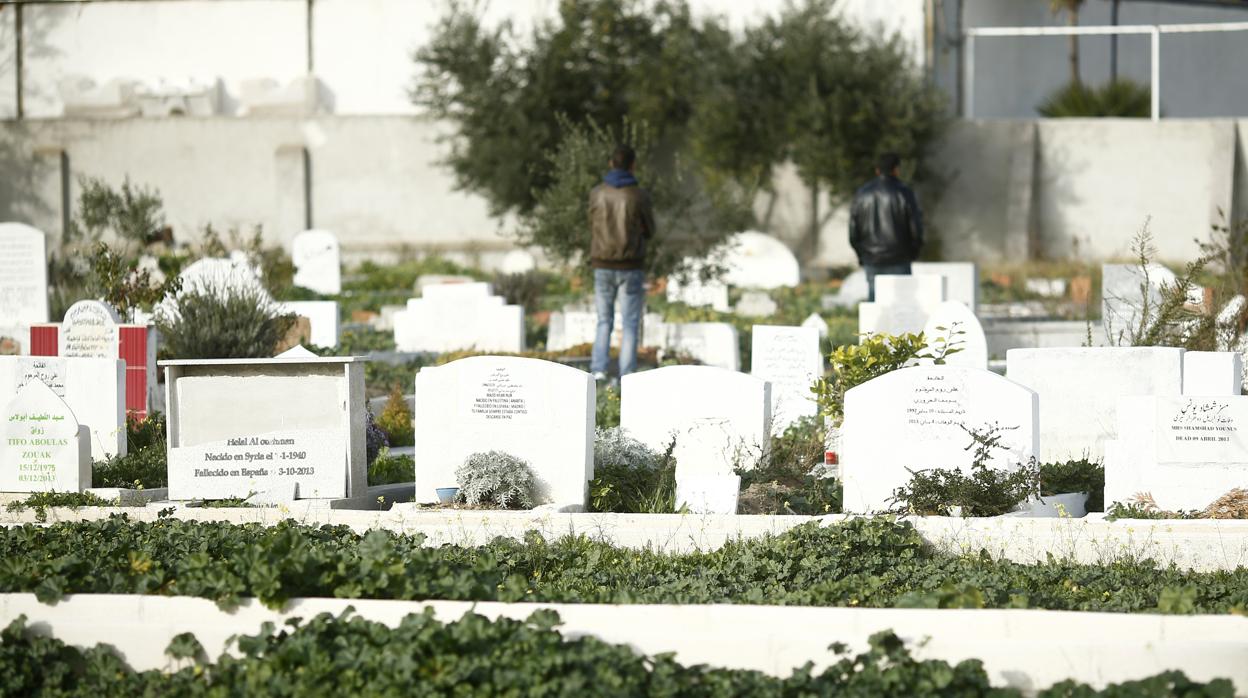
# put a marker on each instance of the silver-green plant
(614, 447)
(496, 477)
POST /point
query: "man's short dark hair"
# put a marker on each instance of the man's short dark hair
(623, 157)
(888, 162)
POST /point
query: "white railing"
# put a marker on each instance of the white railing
(1154, 30)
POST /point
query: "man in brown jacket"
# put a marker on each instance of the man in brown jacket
(621, 220)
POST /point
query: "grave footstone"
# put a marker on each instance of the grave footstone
(756, 304)
(758, 260)
(1183, 451)
(540, 411)
(953, 323)
(917, 418)
(712, 343)
(961, 280)
(719, 419)
(318, 262)
(238, 427)
(43, 447)
(788, 358)
(23, 280)
(1079, 390)
(94, 389)
(902, 304)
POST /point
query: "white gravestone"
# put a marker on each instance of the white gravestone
(453, 317)
(712, 343)
(570, 328)
(902, 304)
(961, 330)
(961, 280)
(321, 315)
(94, 389)
(916, 418)
(853, 290)
(23, 280)
(815, 322)
(720, 419)
(789, 358)
(696, 292)
(756, 304)
(220, 277)
(1207, 373)
(90, 330)
(1126, 290)
(1183, 451)
(1079, 390)
(708, 494)
(540, 411)
(318, 262)
(238, 427)
(517, 262)
(758, 260)
(43, 448)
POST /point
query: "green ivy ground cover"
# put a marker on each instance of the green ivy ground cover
(350, 656)
(861, 562)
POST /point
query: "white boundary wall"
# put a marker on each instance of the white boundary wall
(1025, 649)
(1203, 545)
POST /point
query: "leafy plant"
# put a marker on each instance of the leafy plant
(375, 438)
(630, 476)
(41, 501)
(387, 469)
(986, 491)
(791, 480)
(497, 478)
(1080, 475)
(396, 420)
(222, 322)
(875, 355)
(1120, 98)
(607, 413)
(145, 465)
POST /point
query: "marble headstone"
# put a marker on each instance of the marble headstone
(712, 343)
(322, 315)
(23, 279)
(902, 304)
(452, 317)
(1127, 290)
(1207, 373)
(916, 418)
(43, 448)
(789, 358)
(961, 280)
(94, 389)
(90, 330)
(853, 290)
(953, 323)
(708, 494)
(540, 411)
(318, 262)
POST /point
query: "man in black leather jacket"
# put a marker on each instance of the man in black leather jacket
(885, 224)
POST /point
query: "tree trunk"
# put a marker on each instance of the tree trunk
(812, 241)
(1072, 17)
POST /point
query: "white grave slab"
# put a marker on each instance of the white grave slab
(318, 261)
(756, 304)
(1125, 290)
(537, 410)
(955, 317)
(43, 448)
(1079, 389)
(239, 427)
(90, 330)
(758, 260)
(322, 315)
(914, 418)
(816, 322)
(789, 358)
(712, 343)
(708, 494)
(719, 418)
(961, 280)
(696, 292)
(1184, 451)
(453, 317)
(1208, 373)
(902, 304)
(23, 276)
(94, 389)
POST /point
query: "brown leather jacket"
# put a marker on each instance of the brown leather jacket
(620, 221)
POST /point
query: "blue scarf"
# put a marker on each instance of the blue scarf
(620, 179)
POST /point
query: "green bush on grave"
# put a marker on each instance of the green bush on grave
(223, 323)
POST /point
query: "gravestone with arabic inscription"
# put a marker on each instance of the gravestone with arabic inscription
(42, 446)
(540, 411)
(94, 389)
(90, 331)
(789, 358)
(916, 419)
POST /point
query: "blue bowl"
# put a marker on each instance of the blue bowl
(446, 495)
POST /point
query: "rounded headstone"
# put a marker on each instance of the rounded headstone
(758, 260)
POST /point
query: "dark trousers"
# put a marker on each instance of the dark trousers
(874, 270)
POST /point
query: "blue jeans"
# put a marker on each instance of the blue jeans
(607, 284)
(874, 270)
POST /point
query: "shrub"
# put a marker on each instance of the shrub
(1122, 98)
(608, 407)
(855, 364)
(224, 322)
(497, 478)
(986, 491)
(145, 465)
(629, 476)
(375, 438)
(388, 469)
(791, 479)
(396, 420)
(1075, 476)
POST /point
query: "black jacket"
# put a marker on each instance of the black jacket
(885, 224)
